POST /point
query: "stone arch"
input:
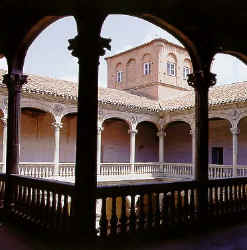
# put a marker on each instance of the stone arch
(140, 120)
(119, 116)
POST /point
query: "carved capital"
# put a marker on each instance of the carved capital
(201, 79)
(161, 133)
(132, 131)
(14, 82)
(235, 131)
(4, 121)
(57, 125)
(100, 129)
(77, 46)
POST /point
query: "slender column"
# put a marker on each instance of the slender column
(57, 127)
(161, 134)
(235, 132)
(192, 132)
(4, 122)
(100, 129)
(87, 46)
(132, 133)
(14, 84)
(201, 81)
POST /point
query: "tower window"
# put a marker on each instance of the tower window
(119, 76)
(186, 71)
(147, 68)
(171, 69)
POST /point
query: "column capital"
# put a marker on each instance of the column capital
(4, 121)
(132, 131)
(75, 45)
(57, 125)
(100, 129)
(161, 133)
(201, 79)
(235, 131)
(14, 81)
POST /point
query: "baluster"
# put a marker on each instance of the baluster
(193, 205)
(48, 209)
(157, 210)
(132, 214)
(65, 214)
(179, 207)
(123, 218)
(42, 205)
(165, 210)
(150, 210)
(103, 219)
(173, 206)
(141, 213)
(114, 218)
(59, 212)
(33, 204)
(185, 207)
(231, 202)
(38, 205)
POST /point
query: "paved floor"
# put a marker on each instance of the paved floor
(229, 237)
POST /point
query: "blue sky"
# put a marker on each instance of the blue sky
(49, 56)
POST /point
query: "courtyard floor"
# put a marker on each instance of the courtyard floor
(227, 237)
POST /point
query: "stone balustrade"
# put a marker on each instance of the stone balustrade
(147, 169)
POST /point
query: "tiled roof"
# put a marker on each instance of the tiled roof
(222, 94)
(68, 90)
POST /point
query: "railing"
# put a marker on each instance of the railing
(143, 207)
(219, 171)
(227, 197)
(43, 202)
(242, 171)
(182, 170)
(2, 188)
(67, 169)
(36, 169)
(177, 169)
(127, 208)
(152, 168)
(107, 169)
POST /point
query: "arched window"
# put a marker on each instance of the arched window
(171, 65)
(186, 68)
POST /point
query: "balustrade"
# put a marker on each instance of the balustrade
(107, 169)
(147, 168)
(219, 171)
(36, 169)
(2, 188)
(177, 169)
(66, 169)
(43, 202)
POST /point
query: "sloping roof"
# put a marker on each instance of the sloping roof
(222, 94)
(69, 90)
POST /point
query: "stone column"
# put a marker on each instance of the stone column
(87, 46)
(192, 132)
(201, 81)
(57, 127)
(235, 132)
(100, 129)
(4, 122)
(161, 134)
(132, 133)
(14, 84)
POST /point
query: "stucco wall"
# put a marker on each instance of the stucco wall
(115, 141)
(178, 143)
(147, 143)
(242, 142)
(37, 137)
(68, 139)
(220, 136)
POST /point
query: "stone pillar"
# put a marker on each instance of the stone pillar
(87, 46)
(132, 133)
(100, 129)
(235, 132)
(201, 81)
(192, 132)
(4, 122)
(14, 84)
(161, 134)
(57, 127)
